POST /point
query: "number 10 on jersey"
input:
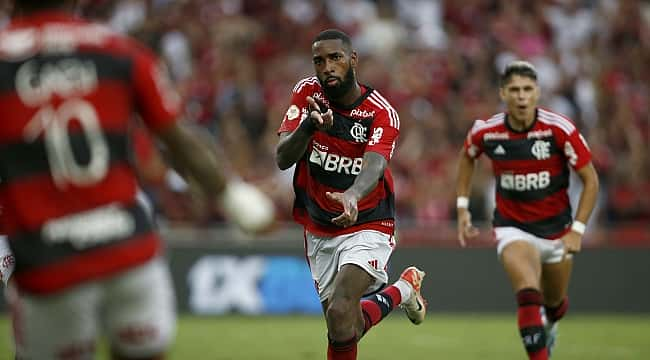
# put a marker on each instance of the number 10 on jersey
(54, 124)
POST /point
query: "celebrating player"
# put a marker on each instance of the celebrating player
(531, 150)
(87, 258)
(341, 134)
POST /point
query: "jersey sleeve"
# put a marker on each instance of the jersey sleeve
(157, 101)
(383, 133)
(575, 149)
(473, 143)
(296, 112)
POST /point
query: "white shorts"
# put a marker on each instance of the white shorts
(368, 249)
(134, 309)
(550, 251)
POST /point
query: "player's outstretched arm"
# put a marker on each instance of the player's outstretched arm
(242, 203)
(372, 169)
(463, 182)
(194, 157)
(292, 146)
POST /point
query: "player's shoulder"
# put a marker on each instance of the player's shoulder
(25, 38)
(307, 85)
(495, 122)
(380, 105)
(555, 120)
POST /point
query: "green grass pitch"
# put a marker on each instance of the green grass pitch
(442, 336)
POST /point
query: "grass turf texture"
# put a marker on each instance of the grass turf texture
(442, 336)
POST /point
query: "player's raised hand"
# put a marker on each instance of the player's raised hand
(572, 243)
(465, 228)
(350, 209)
(322, 117)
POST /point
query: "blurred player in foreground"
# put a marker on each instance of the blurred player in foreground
(340, 135)
(88, 260)
(531, 150)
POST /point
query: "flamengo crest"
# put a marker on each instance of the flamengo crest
(358, 132)
(541, 149)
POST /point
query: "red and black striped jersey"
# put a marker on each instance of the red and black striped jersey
(68, 89)
(531, 169)
(334, 159)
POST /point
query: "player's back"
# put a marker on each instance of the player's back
(68, 89)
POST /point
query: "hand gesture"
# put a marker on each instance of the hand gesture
(350, 209)
(322, 119)
(465, 228)
(572, 243)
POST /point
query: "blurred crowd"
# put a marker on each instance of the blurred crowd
(437, 61)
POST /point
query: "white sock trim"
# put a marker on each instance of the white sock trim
(405, 290)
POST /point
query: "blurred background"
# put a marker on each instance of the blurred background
(236, 61)
(437, 61)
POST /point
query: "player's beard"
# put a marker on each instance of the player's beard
(338, 91)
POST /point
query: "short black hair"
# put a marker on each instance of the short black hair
(519, 67)
(334, 34)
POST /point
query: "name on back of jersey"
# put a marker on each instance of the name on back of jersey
(37, 82)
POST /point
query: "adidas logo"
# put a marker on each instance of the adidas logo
(499, 150)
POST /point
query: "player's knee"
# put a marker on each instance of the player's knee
(339, 310)
(336, 313)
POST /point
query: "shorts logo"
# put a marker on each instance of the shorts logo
(541, 150)
(374, 263)
(358, 132)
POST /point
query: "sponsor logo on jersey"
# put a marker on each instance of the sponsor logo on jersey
(525, 182)
(538, 134)
(335, 163)
(91, 227)
(541, 149)
(358, 132)
(293, 112)
(376, 136)
(499, 150)
(496, 136)
(363, 114)
(570, 153)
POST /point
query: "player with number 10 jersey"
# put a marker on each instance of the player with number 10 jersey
(68, 189)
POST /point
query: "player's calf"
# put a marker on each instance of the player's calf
(531, 326)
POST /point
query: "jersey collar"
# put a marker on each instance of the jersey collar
(532, 125)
